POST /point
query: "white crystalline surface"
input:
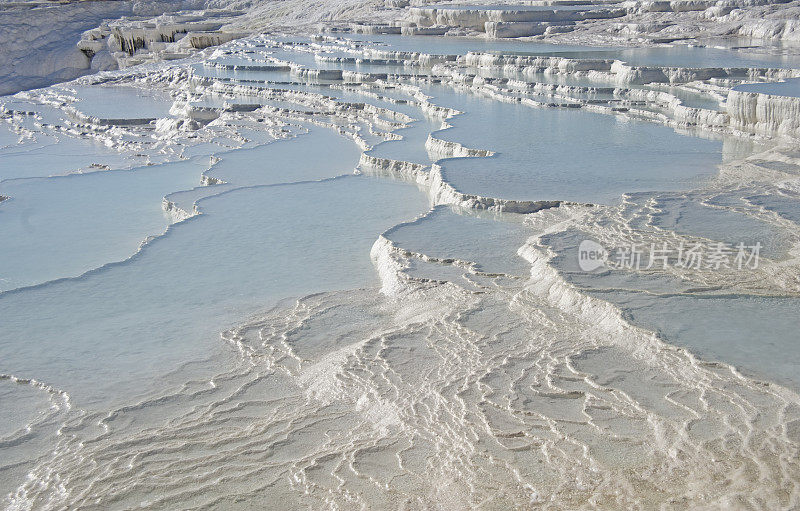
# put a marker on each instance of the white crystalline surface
(337, 270)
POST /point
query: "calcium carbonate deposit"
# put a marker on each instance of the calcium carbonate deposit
(368, 255)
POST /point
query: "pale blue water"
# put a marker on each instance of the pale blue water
(737, 329)
(107, 333)
(789, 87)
(787, 206)
(683, 55)
(463, 45)
(117, 102)
(512, 7)
(691, 218)
(489, 240)
(7, 136)
(52, 158)
(675, 55)
(68, 225)
(326, 154)
(547, 153)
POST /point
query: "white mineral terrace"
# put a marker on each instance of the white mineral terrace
(400, 255)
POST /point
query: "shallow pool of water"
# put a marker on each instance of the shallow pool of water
(573, 155)
(106, 334)
(789, 87)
